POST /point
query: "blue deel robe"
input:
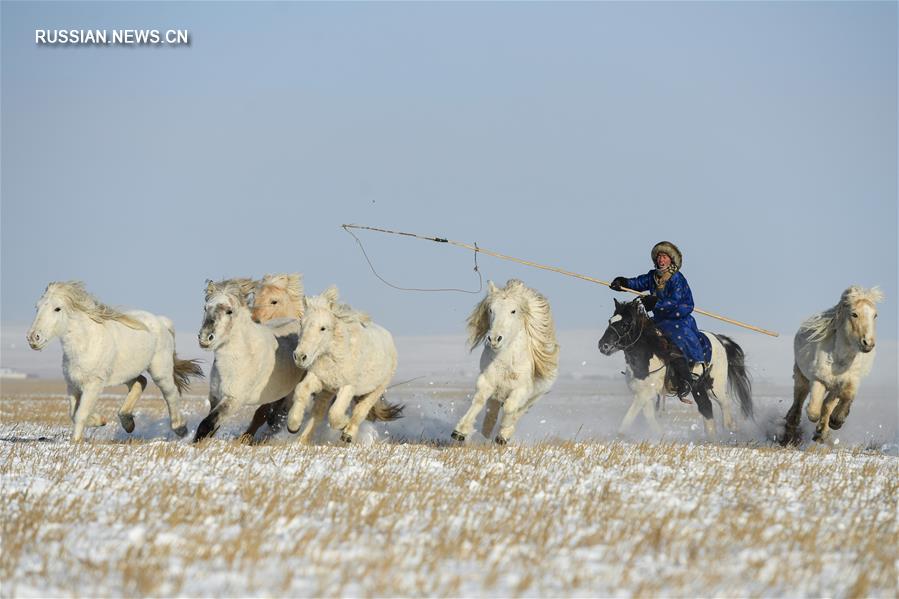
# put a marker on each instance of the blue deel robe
(672, 314)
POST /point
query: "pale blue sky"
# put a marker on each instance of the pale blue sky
(761, 138)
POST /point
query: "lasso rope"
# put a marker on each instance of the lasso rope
(477, 249)
(389, 284)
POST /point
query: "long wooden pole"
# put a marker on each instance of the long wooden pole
(562, 271)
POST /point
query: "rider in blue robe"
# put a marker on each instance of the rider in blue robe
(672, 312)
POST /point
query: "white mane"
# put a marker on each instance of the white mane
(823, 324)
(343, 312)
(77, 298)
(538, 323)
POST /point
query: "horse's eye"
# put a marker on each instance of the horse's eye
(57, 309)
(855, 315)
(274, 302)
(513, 311)
(323, 328)
(228, 312)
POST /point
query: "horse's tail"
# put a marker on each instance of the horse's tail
(385, 411)
(184, 370)
(738, 382)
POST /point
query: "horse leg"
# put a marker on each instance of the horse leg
(84, 410)
(319, 410)
(259, 418)
(74, 396)
(801, 386)
(649, 412)
(701, 395)
(360, 412)
(490, 417)
(465, 426)
(302, 393)
(822, 431)
(126, 412)
(162, 372)
(816, 400)
(210, 424)
(514, 408)
(278, 414)
(838, 416)
(636, 406)
(337, 418)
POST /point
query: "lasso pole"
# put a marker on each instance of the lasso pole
(550, 268)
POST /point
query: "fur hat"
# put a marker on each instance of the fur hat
(666, 247)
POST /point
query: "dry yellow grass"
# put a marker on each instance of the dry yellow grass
(168, 518)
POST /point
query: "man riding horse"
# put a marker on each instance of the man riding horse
(671, 303)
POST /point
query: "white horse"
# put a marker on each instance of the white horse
(833, 351)
(343, 353)
(102, 347)
(520, 361)
(647, 352)
(253, 362)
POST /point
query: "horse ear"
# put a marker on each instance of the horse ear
(210, 287)
(491, 288)
(295, 283)
(617, 304)
(331, 294)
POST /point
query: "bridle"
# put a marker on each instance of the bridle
(627, 332)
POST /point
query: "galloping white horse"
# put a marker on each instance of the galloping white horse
(520, 360)
(833, 351)
(253, 362)
(103, 346)
(346, 354)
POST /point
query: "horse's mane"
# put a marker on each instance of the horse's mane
(78, 298)
(245, 286)
(235, 288)
(343, 312)
(291, 283)
(538, 324)
(823, 324)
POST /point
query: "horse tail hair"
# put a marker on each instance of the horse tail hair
(385, 411)
(184, 370)
(738, 382)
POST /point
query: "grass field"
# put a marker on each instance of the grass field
(155, 516)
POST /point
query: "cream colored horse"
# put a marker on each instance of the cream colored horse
(103, 346)
(520, 360)
(833, 351)
(344, 354)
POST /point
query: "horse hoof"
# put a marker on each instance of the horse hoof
(835, 424)
(293, 431)
(127, 421)
(458, 436)
(181, 431)
(500, 440)
(346, 438)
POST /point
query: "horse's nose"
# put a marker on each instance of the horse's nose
(499, 339)
(299, 358)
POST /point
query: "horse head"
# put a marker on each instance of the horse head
(506, 308)
(318, 326)
(278, 296)
(625, 324)
(856, 316)
(51, 319)
(223, 307)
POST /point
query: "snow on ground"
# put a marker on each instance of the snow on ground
(566, 510)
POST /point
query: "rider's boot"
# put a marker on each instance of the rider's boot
(683, 378)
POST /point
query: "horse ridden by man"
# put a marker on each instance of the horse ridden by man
(668, 351)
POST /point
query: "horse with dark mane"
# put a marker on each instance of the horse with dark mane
(648, 353)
